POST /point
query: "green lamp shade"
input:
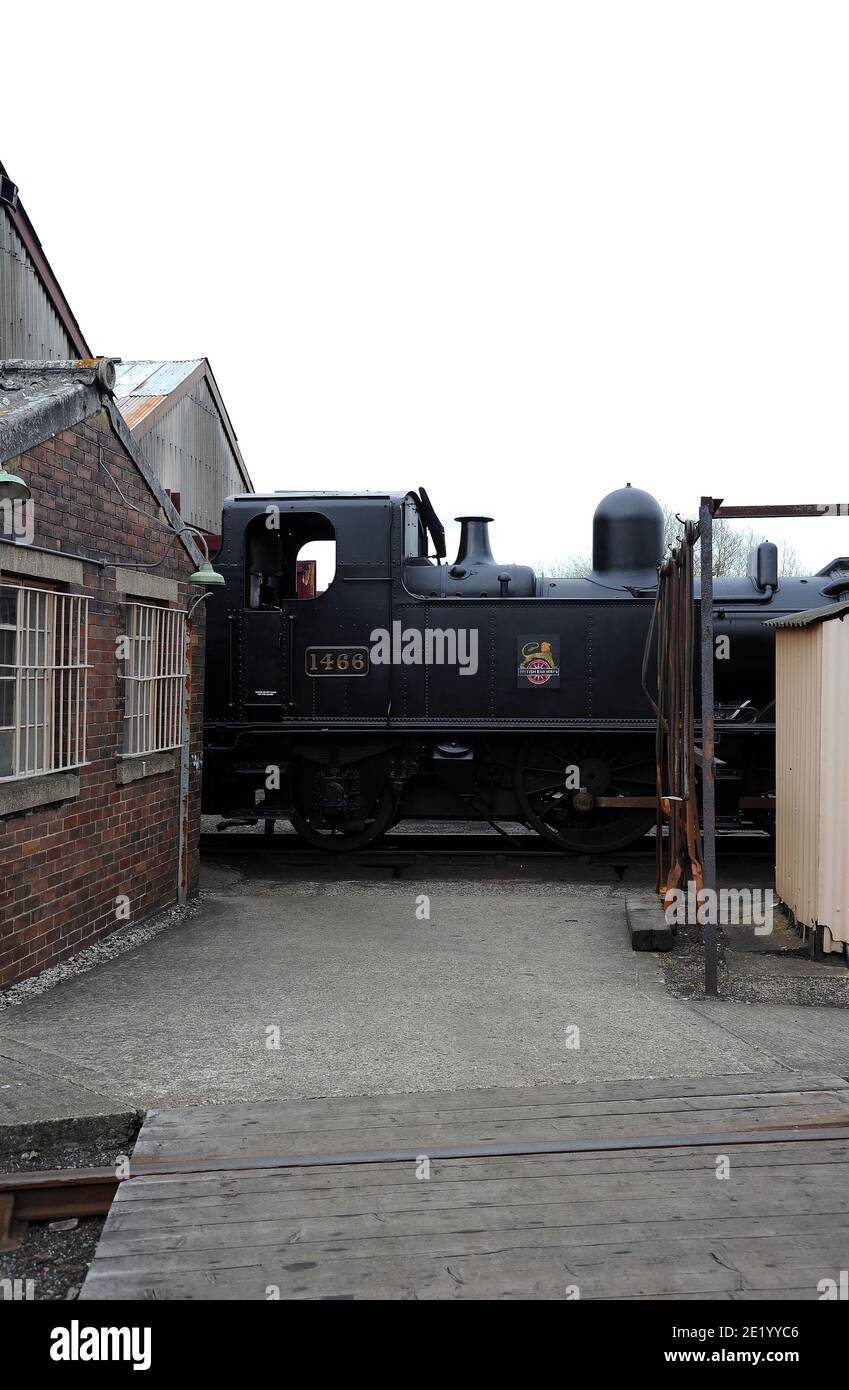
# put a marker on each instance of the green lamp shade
(12, 488)
(206, 575)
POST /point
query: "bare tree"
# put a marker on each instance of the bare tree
(569, 567)
(789, 564)
(731, 547)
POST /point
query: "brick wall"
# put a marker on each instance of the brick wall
(63, 866)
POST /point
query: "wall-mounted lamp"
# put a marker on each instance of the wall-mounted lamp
(13, 488)
(206, 575)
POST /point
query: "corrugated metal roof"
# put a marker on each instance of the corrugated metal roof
(809, 616)
(152, 378)
(140, 387)
(135, 408)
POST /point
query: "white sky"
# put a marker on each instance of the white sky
(521, 253)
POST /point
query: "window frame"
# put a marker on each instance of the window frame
(413, 521)
(49, 669)
(154, 678)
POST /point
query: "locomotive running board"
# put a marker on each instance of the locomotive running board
(747, 803)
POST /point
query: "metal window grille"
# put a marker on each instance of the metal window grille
(155, 672)
(43, 680)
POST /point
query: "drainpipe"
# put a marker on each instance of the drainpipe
(184, 841)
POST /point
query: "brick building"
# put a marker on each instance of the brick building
(99, 782)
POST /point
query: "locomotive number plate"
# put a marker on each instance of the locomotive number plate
(336, 661)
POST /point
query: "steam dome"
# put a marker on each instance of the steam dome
(627, 532)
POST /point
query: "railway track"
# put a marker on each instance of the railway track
(60, 1194)
(407, 850)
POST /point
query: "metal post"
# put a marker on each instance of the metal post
(706, 510)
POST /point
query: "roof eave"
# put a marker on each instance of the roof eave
(809, 617)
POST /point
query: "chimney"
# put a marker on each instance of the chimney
(474, 541)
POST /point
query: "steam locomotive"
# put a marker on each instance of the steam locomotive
(414, 688)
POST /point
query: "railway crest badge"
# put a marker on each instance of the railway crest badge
(538, 662)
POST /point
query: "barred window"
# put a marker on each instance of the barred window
(43, 680)
(154, 674)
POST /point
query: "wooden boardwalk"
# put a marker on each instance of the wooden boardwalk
(627, 1223)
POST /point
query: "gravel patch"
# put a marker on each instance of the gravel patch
(779, 974)
(107, 1137)
(684, 966)
(118, 943)
(51, 1265)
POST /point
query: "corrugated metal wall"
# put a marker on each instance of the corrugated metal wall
(190, 453)
(29, 325)
(812, 770)
(833, 908)
(798, 683)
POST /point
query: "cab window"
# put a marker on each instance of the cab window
(288, 555)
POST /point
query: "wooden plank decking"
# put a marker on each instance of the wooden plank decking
(633, 1223)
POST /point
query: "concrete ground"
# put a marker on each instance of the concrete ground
(284, 983)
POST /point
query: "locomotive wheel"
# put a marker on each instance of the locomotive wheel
(608, 765)
(343, 835)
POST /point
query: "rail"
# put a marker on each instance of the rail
(75, 1192)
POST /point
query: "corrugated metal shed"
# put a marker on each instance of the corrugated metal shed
(812, 768)
(176, 413)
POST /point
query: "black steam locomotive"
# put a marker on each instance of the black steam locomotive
(415, 688)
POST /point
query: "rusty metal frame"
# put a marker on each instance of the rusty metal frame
(672, 635)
